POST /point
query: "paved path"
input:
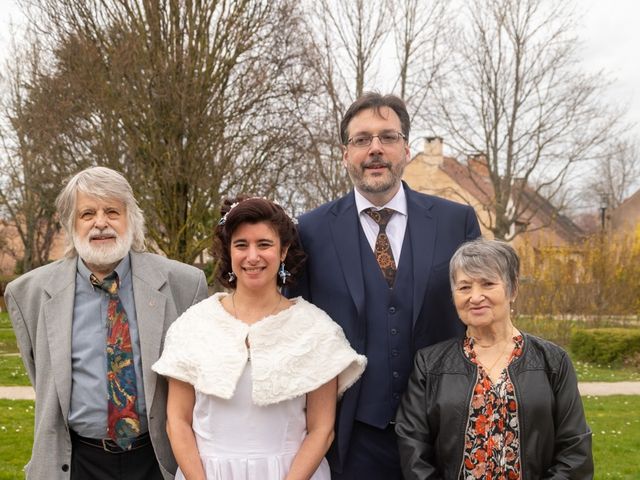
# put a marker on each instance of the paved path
(590, 388)
(17, 393)
(609, 388)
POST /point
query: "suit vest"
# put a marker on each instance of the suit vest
(389, 325)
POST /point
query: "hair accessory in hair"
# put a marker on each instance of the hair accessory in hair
(223, 219)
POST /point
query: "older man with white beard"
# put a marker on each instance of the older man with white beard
(89, 327)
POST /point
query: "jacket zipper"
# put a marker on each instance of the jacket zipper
(464, 427)
(520, 423)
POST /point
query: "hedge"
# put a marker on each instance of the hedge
(606, 346)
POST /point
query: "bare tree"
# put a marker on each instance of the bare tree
(615, 175)
(345, 41)
(190, 100)
(420, 29)
(516, 96)
(30, 171)
(377, 45)
(352, 33)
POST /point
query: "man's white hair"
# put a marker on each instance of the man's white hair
(103, 183)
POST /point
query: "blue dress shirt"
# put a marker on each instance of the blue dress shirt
(88, 411)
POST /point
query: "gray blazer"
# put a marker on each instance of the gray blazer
(40, 306)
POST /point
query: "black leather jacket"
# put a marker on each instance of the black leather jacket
(555, 441)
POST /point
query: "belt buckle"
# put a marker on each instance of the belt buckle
(108, 447)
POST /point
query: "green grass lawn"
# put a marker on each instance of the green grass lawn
(614, 420)
(7, 338)
(16, 432)
(589, 372)
(8, 341)
(12, 372)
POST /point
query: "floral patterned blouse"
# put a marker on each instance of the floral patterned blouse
(492, 439)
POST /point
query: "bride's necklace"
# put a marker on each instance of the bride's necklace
(235, 310)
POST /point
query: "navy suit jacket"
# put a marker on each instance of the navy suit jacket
(333, 278)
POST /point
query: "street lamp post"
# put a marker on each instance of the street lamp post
(600, 282)
(604, 205)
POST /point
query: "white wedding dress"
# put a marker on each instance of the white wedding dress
(239, 440)
(249, 416)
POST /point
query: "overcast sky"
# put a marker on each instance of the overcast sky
(611, 37)
(609, 33)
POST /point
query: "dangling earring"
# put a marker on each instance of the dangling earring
(231, 276)
(283, 273)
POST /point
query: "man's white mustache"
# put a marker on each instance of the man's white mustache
(107, 232)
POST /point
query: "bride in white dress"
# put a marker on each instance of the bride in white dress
(254, 377)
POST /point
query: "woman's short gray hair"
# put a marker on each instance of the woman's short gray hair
(103, 183)
(487, 259)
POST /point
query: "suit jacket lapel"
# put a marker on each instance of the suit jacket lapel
(150, 305)
(422, 229)
(346, 239)
(58, 317)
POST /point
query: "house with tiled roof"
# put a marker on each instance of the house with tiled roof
(539, 221)
(626, 217)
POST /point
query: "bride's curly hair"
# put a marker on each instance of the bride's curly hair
(245, 209)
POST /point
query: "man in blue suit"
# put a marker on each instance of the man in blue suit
(378, 265)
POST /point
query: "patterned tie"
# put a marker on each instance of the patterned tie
(123, 422)
(383, 252)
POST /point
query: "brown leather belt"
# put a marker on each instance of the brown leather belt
(108, 445)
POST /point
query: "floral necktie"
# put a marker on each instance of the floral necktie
(123, 422)
(383, 252)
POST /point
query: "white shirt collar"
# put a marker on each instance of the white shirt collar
(397, 203)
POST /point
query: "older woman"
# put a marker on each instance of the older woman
(253, 376)
(498, 404)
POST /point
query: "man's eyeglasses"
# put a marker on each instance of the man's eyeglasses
(386, 138)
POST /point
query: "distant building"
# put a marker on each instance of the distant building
(627, 216)
(432, 172)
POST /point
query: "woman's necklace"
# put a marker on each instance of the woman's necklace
(235, 310)
(500, 355)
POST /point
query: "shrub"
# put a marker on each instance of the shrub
(633, 361)
(607, 346)
(598, 276)
(554, 329)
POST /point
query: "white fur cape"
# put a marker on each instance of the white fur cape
(292, 352)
